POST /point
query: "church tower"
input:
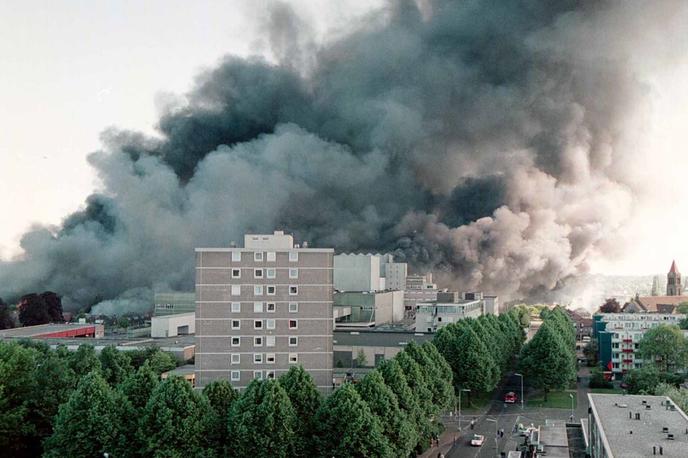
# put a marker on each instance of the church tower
(674, 281)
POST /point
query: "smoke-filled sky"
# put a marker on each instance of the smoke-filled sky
(506, 145)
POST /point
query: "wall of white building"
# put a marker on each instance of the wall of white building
(357, 272)
(173, 325)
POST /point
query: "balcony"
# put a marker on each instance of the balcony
(627, 340)
(627, 361)
(627, 350)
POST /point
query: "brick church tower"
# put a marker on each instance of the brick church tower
(674, 281)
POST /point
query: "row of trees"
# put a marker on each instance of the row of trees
(548, 360)
(35, 381)
(479, 351)
(83, 404)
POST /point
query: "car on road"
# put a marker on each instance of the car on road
(510, 397)
(477, 440)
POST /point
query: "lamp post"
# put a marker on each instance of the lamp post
(520, 375)
(460, 391)
(496, 435)
(571, 396)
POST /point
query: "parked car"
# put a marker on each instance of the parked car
(477, 440)
(510, 397)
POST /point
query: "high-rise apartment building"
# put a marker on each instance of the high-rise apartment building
(263, 308)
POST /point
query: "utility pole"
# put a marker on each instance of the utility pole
(572, 415)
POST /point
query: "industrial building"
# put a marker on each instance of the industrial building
(377, 344)
(55, 331)
(431, 316)
(636, 426)
(178, 324)
(262, 309)
(368, 309)
(368, 272)
(618, 336)
(419, 288)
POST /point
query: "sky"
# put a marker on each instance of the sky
(71, 69)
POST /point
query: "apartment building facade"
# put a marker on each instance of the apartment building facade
(618, 337)
(263, 308)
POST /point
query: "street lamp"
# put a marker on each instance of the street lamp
(571, 396)
(496, 435)
(521, 375)
(460, 391)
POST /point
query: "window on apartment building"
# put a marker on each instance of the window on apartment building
(258, 375)
(293, 256)
(235, 290)
(270, 323)
(270, 358)
(293, 324)
(293, 307)
(270, 307)
(272, 256)
(236, 324)
(615, 345)
(236, 273)
(257, 341)
(270, 273)
(236, 376)
(258, 358)
(236, 256)
(269, 375)
(236, 358)
(257, 324)
(293, 358)
(236, 307)
(257, 290)
(269, 341)
(293, 341)
(258, 256)
(293, 273)
(257, 307)
(615, 365)
(257, 273)
(293, 290)
(236, 341)
(271, 290)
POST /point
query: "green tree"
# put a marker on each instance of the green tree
(16, 385)
(441, 388)
(174, 420)
(682, 307)
(643, 380)
(139, 385)
(115, 365)
(591, 352)
(84, 360)
(306, 400)
(162, 361)
(546, 360)
(665, 346)
(475, 368)
(418, 383)
(90, 423)
(678, 395)
(347, 427)
(361, 360)
(6, 321)
(395, 379)
(220, 395)
(262, 421)
(382, 401)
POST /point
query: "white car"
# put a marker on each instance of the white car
(477, 440)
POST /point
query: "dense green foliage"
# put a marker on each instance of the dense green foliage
(548, 361)
(479, 351)
(665, 346)
(83, 403)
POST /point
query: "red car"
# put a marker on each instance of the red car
(510, 397)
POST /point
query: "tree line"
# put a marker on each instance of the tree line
(83, 404)
(548, 360)
(480, 350)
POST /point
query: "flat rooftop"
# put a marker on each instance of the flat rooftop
(42, 329)
(612, 412)
(121, 341)
(379, 338)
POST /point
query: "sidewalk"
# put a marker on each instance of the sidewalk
(452, 435)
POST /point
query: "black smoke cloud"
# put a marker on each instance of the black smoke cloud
(488, 141)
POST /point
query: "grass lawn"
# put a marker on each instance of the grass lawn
(555, 400)
(607, 390)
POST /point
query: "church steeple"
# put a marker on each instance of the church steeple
(674, 286)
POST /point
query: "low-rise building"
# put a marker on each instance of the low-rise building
(55, 331)
(431, 316)
(618, 337)
(419, 288)
(178, 324)
(376, 344)
(368, 309)
(638, 426)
